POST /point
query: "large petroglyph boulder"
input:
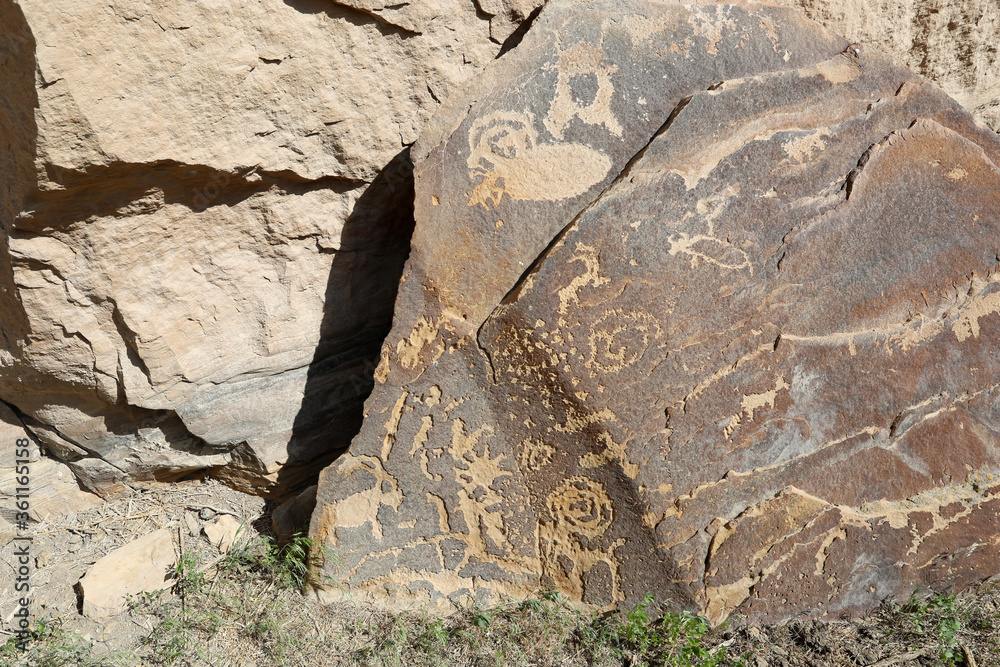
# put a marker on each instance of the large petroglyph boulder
(702, 301)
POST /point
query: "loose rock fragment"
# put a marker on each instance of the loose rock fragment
(223, 532)
(141, 566)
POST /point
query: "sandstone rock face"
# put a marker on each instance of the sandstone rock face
(55, 492)
(205, 208)
(702, 301)
(952, 43)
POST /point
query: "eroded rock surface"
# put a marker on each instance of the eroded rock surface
(952, 43)
(205, 208)
(702, 301)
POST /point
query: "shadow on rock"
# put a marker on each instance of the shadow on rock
(360, 295)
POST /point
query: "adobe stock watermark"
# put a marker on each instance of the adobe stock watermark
(205, 195)
(21, 621)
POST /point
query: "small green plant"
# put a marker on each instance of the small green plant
(939, 616)
(949, 624)
(675, 640)
(684, 632)
(551, 596)
(180, 630)
(434, 638)
(481, 619)
(289, 566)
(51, 645)
(188, 579)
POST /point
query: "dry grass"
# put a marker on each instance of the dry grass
(245, 609)
(248, 612)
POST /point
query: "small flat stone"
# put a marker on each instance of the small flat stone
(222, 532)
(143, 565)
(192, 523)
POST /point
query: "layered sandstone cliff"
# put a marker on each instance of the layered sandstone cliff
(206, 207)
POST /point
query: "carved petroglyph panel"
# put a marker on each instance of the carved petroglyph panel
(753, 402)
(706, 247)
(806, 147)
(581, 513)
(703, 379)
(985, 303)
(582, 74)
(427, 337)
(713, 22)
(618, 339)
(492, 497)
(362, 507)
(507, 159)
(580, 506)
(611, 452)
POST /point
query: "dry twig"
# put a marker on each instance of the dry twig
(896, 659)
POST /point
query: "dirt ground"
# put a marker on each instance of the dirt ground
(65, 544)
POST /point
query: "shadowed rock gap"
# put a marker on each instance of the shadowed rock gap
(375, 243)
(515, 38)
(124, 190)
(356, 15)
(18, 136)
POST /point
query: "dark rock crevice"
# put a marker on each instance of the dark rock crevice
(358, 15)
(18, 137)
(125, 189)
(341, 373)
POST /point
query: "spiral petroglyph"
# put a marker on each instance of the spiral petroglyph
(619, 338)
(582, 505)
(534, 454)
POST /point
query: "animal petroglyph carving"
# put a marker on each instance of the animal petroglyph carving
(504, 152)
(708, 247)
(578, 64)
